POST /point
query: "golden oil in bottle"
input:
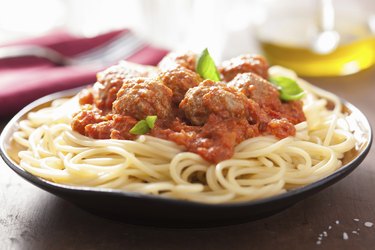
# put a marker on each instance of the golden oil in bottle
(346, 59)
(355, 52)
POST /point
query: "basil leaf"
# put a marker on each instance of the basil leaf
(150, 120)
(144, 126)
(206, 67)
(140, 128)
(289, 89)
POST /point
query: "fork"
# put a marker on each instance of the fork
(122, 46)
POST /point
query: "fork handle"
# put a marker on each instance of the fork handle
(18, 51)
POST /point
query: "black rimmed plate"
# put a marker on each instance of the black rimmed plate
(153, 210)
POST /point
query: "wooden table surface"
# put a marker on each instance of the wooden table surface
(34, 219)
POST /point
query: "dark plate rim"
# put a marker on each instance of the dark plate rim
(48, 185)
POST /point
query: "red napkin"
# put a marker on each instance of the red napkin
(23, 80)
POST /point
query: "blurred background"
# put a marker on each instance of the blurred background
(285, 31)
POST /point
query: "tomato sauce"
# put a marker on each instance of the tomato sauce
(215, 139)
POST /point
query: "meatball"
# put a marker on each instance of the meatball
(258, 89)
(141, 97)
(124, 70)
(183, 59)
(179, 80)
(110, 81)
(213, 98)
(242, 64)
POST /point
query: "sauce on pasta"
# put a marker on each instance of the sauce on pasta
(208, 118)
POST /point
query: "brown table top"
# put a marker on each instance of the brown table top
(34, 219)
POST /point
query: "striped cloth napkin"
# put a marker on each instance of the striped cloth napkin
(25, 79)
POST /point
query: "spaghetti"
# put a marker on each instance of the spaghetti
(262, 166)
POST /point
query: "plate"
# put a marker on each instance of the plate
(144, 209)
